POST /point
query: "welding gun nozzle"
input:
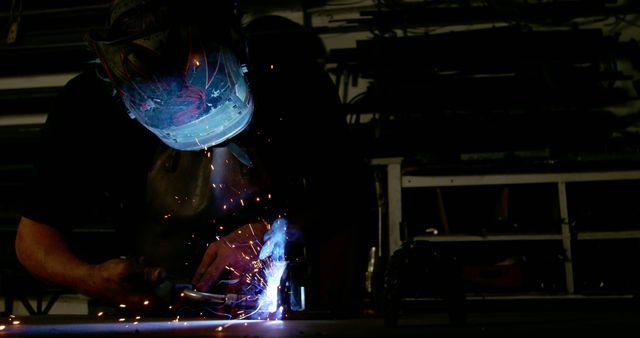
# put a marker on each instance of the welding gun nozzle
(228, 299)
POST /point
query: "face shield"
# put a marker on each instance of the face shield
(177, 78)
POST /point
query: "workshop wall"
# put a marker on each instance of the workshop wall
(478, 85)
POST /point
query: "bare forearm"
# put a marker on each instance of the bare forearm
(45, 253)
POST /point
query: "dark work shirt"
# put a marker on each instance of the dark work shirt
(93, 161)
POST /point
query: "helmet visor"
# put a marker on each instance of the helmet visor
(190, 92)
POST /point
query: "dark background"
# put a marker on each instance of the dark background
(532, 84)
(453, 86)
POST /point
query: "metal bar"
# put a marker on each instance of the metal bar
(566, 236)
(623, 234)
(394, 192)
(409, 181)
(50, 303)
(489, 238)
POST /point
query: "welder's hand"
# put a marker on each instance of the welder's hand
(232, 256)
(124, 281)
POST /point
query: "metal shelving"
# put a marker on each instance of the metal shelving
(396, 182)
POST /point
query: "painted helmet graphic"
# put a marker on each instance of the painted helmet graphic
(179, 71)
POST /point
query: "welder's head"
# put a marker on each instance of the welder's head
(179, 68)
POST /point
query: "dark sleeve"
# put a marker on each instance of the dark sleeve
(67, 173)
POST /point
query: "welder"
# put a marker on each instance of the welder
(169, 142)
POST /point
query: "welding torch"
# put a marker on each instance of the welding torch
(230, 299)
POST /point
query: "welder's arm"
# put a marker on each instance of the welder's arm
(231, 255)
(45, 253)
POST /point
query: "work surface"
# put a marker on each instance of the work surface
(575, 323)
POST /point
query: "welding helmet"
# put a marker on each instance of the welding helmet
(178, 69)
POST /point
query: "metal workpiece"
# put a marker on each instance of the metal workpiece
(231, 299)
